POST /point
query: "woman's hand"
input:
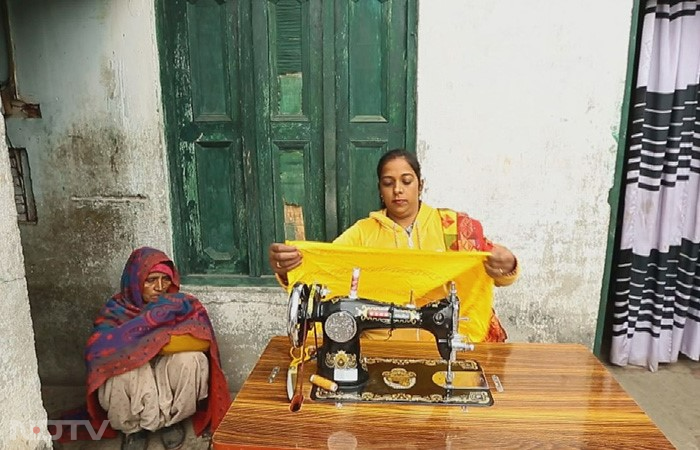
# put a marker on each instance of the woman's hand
(283, 258)
(500, 262)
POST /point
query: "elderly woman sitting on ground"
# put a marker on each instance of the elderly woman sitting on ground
(152, 358)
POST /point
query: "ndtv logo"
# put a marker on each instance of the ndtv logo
(59, 427)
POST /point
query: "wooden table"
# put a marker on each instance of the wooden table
(554, 396)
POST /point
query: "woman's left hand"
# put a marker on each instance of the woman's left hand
(500, 262)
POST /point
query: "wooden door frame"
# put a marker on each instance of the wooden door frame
(603, 334)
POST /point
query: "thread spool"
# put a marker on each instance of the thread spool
(324, 383)
(354, 282)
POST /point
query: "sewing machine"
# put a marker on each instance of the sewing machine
(344, 318)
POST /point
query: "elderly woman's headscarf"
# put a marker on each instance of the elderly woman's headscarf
(136, 270)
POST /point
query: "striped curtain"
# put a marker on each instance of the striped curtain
(656, 274)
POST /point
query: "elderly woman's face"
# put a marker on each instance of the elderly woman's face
(399, 188)
(156, 283)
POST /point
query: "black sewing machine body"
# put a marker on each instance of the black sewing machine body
(344, 320)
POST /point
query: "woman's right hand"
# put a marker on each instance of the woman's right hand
(283, 258)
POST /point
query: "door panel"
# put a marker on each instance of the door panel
(218, 224)
(289, 182)
(287, 20)
(202, 76)
(367, 60)
(370, 52)
(212, 75)
(287, 55)
(207, 28)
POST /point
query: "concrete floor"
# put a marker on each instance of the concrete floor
(670, 397)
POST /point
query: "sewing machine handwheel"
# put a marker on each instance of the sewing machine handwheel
(296, 313)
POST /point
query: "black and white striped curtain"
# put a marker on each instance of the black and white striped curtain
(657, 274)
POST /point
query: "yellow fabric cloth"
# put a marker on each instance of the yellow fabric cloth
(184, 343)
(394, 275)
(428, 233)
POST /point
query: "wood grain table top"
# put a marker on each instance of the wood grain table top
(553, 396)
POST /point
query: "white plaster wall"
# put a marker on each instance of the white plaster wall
(97, 158)
(93, 67)
(519, 105)
(21, 408)
(244, 320)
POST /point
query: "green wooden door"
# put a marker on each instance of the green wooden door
(287, 66)
(374, 105)
(274, 103)
(202, 96)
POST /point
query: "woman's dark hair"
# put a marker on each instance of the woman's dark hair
(395, 154)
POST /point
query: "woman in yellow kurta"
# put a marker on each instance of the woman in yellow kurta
(407, 222)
